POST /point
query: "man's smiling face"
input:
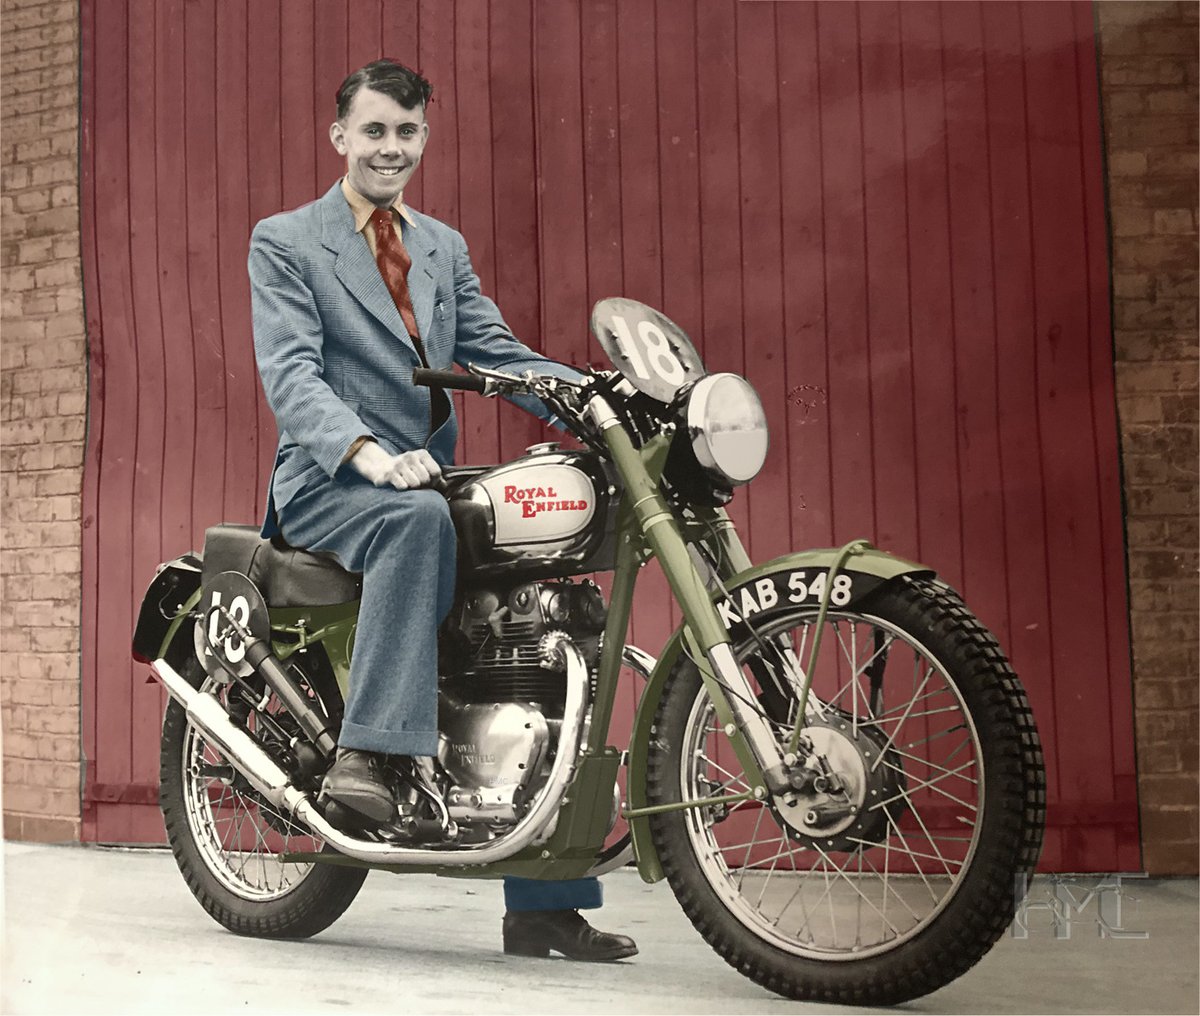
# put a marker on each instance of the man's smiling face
(382, 142)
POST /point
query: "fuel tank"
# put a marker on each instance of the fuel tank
(548, 514)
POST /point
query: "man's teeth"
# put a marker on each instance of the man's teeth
(386, 170)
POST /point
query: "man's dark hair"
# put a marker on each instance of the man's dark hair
(390, 77)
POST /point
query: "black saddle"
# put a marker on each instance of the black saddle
(286, 576)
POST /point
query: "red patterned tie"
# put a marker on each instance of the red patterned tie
(394, 263)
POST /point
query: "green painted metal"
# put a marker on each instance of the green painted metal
(331, 626)
(661, 532)
(869, 562)
(177, 620)
(702, 802)
(583, 823)
(620, 603)
(852, 548)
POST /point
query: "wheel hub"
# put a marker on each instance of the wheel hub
(844, 783)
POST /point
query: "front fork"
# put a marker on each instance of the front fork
(705, 638)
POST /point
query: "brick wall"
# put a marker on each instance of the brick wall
(1149, 95)
(43, 386)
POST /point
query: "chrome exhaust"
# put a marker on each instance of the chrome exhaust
(248, 757)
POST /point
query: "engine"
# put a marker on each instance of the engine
(501, 697)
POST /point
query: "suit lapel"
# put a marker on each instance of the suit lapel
(355, 268)
(422, 285)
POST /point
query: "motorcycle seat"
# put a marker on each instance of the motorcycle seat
(286, 576)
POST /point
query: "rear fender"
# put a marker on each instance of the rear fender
(758, 593)
(174, 591)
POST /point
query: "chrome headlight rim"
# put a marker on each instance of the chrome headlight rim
(702, 419)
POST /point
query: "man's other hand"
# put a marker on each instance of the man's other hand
(406, 471)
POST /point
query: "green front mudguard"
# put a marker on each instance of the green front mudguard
(868, 570)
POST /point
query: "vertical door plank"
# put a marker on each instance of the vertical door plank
(976, 353)
(151, 379)
(515, 193)
(885, 218)
(1060, 278)
(845, 266)
(478, 418)
(92, 689)
(114, 618)
(804, 277)
(930, 297)
(264, 180)
(1021, 466)
(758, 130)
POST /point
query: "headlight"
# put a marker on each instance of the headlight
(727, 427)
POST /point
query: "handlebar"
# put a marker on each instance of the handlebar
(448, 379)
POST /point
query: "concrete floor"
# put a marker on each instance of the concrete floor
(90, 930)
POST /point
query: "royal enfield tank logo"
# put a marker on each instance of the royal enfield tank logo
(535, 500)
(539, 503)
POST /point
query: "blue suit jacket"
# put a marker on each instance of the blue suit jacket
(335, 358)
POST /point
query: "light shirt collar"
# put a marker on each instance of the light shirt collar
(362, 209)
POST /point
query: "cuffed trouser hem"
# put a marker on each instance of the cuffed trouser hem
(534, 894)
(388, 742)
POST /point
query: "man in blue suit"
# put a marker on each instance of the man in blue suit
(350, 293)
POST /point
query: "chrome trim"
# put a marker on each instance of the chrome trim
(267, 778)
(756, 729)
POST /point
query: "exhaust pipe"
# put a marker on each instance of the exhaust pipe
(247, 756)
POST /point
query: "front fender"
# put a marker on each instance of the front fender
(762, 590)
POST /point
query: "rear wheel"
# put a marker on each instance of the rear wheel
(229, 842)
(893, 872)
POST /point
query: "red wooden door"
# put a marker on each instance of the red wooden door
(889, 216)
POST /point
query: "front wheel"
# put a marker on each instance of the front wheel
(230, 843)
(891, 872)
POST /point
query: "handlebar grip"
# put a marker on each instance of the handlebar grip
(448, 379)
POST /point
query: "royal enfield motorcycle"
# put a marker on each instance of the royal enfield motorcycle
(831, 762)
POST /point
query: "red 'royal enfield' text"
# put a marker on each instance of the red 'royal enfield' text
(532, 504)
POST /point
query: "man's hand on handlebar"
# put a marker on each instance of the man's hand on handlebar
(406, 471)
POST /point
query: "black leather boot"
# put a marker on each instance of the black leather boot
(536, 932)
(355, 781)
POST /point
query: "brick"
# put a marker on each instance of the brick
(1156, 377)
(62, 379)
(54, 221)
(1152, 253)
(32, 201)
(1133, 285)
(1179, 285)
(1134, 346)
(1132, 221)
(1167, 163)
(1128, 163)
(1123, 70)
(40, 829)
(1170, 858)
(1169, 221)
(12, 357)
(1123, 104)
(1171, 100)
(59, 273)
(69, 428)
(1164, 825)
(58, 483)
(64, 196)
(68, 454)
(38, 303)
(45, 721)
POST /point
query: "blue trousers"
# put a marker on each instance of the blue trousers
(404, 544)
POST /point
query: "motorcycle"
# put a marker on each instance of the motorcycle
(831, 762)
